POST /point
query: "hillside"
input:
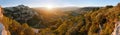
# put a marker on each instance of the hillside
(21, 20)
(15, 28)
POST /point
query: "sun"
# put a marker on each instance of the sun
(49, 7)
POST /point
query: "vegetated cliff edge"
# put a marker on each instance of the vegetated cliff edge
(100, 21)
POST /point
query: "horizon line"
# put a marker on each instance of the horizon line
(61, 6)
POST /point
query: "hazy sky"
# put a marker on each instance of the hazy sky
(58, 3)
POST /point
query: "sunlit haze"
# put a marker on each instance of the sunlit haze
(57, 3)
(49, 7)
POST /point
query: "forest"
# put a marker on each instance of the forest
(23, 20)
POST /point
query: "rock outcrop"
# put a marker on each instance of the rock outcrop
(20, 13)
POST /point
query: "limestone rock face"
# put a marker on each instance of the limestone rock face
(117, 29)
(118, 4)
(2, 29)
(1, 12)
(20, 13)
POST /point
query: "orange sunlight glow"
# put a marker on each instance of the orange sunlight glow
(49, 7)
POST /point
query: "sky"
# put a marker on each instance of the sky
(58, 3)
